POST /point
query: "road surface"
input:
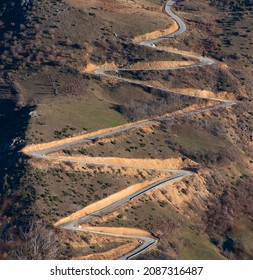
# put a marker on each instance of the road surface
(145, 242)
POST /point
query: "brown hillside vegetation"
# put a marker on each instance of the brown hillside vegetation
(47, 67)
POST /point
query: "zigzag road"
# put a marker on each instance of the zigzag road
(145, 242)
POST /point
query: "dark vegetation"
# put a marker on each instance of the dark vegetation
(124, 53)
(224, 210)
(15, 198)
(35, 242)
(26, 40)
(232, 5)
(159, 104)
(11, 10)
(35, 41)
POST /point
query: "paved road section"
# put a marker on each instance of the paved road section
(145, 242)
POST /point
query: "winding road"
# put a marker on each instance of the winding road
(145, 241)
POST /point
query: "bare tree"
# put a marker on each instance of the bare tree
(39, 243)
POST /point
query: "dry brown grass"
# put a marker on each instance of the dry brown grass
(172, 163)
(90, 68)
(159, 64)
(156, 34)
(118, 230)
(117, 6)
(112, 254)
(105, 202)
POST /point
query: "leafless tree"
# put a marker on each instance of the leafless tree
(39, 243)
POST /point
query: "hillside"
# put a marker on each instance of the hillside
(51, 95)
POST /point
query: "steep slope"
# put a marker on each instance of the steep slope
(207, 215)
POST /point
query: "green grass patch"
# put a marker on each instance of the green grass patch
(200, 248)
(242, 235)
(75, 112)
(196, 140)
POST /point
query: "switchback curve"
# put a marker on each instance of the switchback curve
(77, 219)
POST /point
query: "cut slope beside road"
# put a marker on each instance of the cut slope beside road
(77, 219)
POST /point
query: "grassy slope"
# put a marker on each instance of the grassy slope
(62, 190)
(189, 244)
(178, 236)
(80, 105)
(242, 234)
(213, 138)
